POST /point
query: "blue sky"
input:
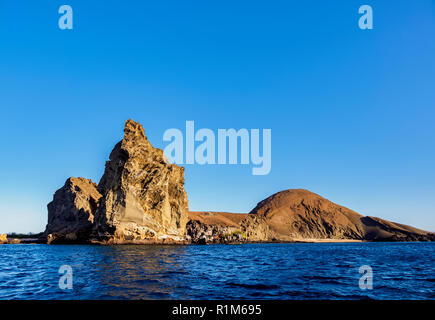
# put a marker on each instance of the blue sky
(352, 112)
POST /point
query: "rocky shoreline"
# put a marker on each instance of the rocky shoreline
(141, 199)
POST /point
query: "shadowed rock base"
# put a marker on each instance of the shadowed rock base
(71, 213)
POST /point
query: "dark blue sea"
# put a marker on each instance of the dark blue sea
(252, 271)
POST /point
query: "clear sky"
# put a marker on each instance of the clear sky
(352, 112)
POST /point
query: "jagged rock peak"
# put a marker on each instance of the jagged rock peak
(134, 132)
(143, 195)
(133, 128)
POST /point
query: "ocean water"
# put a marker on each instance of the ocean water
(252, 271)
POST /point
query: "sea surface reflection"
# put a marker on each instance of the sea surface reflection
(254, 271)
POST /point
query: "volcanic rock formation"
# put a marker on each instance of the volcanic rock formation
(71, 213)
(300, 215)
(143, 197)
(215, 227)
(225, 227)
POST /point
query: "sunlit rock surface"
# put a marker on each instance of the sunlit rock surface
(143, 196)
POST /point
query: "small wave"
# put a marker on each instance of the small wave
(325, 280)
(257, 286)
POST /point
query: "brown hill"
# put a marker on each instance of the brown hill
(299, 215)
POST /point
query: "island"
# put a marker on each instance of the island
(141, 199)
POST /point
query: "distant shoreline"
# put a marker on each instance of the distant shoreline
(297, 241)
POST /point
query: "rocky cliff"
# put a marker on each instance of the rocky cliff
(143, 197)
(215, 227)
(71, 213)
(225, 227)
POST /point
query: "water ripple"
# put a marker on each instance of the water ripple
(255, 271)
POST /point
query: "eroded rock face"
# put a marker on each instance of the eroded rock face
(257, 229)
(224, 227)
(203, 233)
(71, 213)
(143, 197)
